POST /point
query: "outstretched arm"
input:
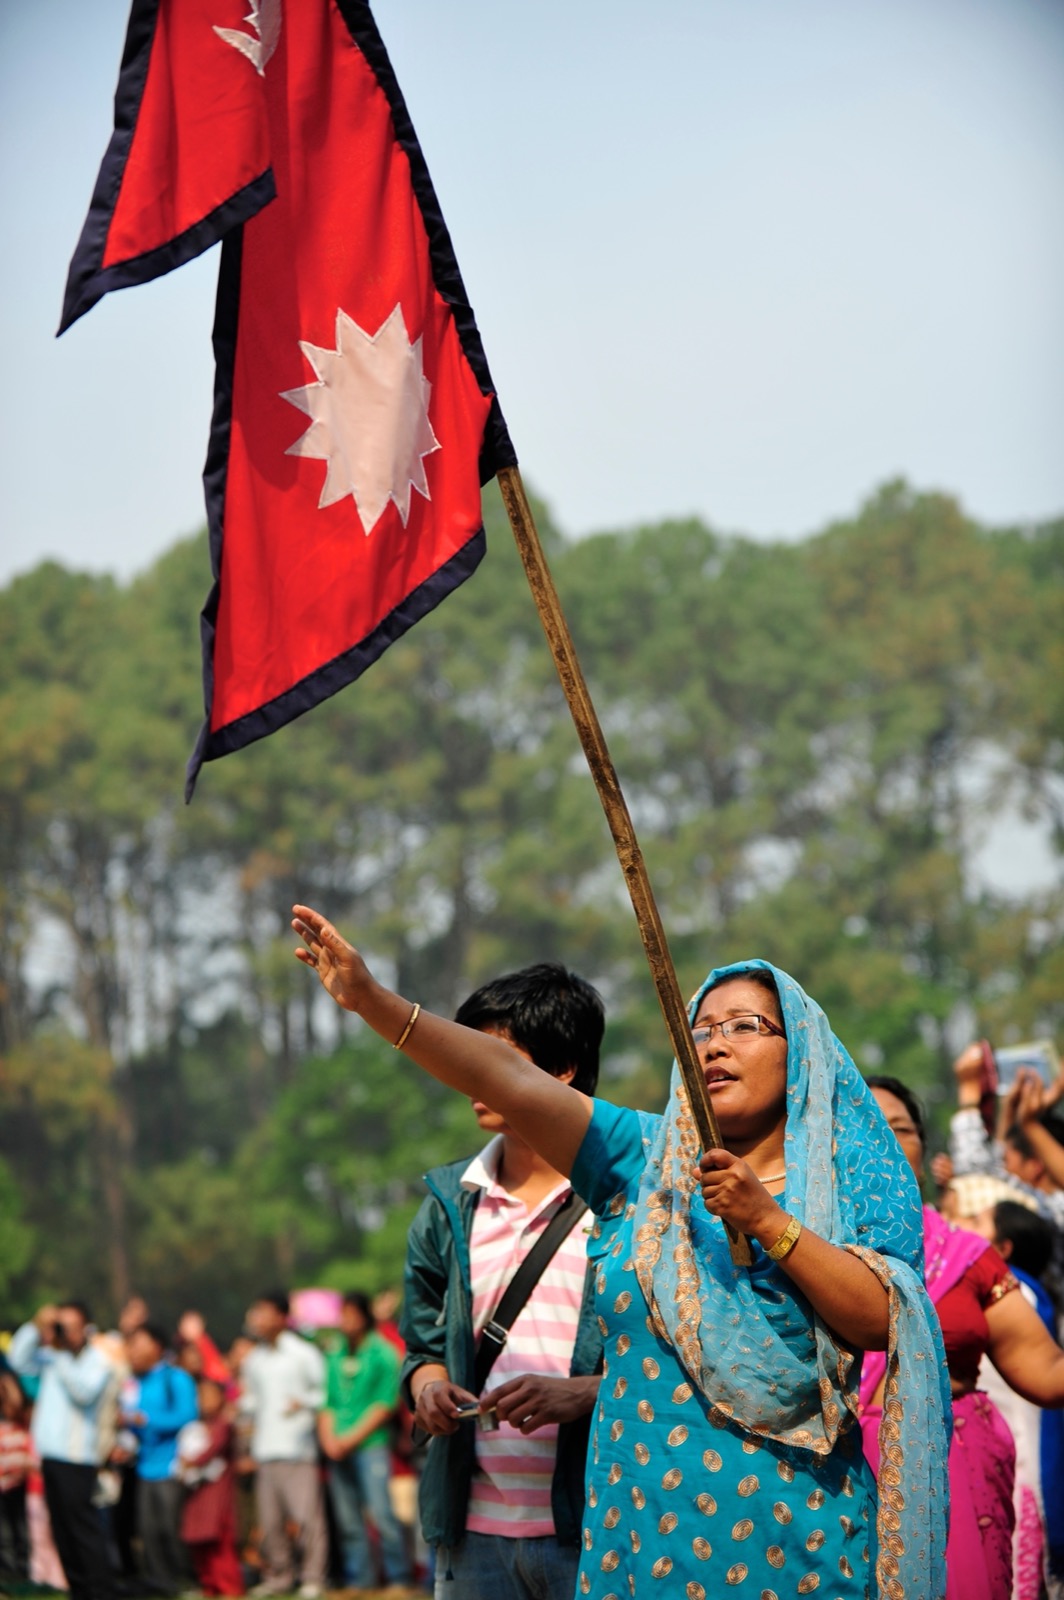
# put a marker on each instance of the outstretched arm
(545, 1112)
(1024, 1352)
(1032, 1099)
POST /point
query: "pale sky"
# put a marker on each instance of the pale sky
(739, 258)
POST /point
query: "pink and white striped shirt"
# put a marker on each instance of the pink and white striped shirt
(510, 1493)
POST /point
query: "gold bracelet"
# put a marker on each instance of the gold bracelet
(404, 1036)
(786, 1241)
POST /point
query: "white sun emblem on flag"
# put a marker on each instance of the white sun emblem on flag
(370, 417)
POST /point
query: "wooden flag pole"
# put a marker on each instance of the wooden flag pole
(614, 805)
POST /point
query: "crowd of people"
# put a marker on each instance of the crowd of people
(593, 1398)
(136, 1464)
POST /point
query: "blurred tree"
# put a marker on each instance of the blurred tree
(816, 740)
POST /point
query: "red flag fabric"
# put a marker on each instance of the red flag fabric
(189, 157)
(355, 418)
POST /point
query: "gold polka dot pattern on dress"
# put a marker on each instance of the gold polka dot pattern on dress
(650, 1367)
(631, 1583)
(737, 1573)
(846, 1484)
(816, 1539)
(848, 1526)
(672, 1479)
(614, 1474)
(769, 1594)
(617, 1428)
(600, 1283)
(612, 1517)
(706, 1504)
(592, 1496)
(775, 1556)
(662, 1567)
(610, 1561)
(637, 1543)
(587, 1538)
(681, 1394)
(815, 1500)
(619, 1388)
(602, 1326)
(751, 1446)
(702, 1548)
(742, 1529)
(624, 1344)
(810, 1582)
(642, 1454)
(695, 1591)
(785, 1470)
(712, 1459)
(845, 1568)
(585, 1583)
(668, 1522)
(639, 1499)
(622, 1302)
(749, 1485)
(645, 1411)
(677, 1435)
(782, 1513)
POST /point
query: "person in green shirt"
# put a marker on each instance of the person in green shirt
(361, 1395)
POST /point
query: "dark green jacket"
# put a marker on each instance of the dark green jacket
(437, 1325)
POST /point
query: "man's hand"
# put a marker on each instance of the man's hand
(530, 1402)
(45, 1319)
(343, 973)
(942, 1169)
(1032, 1096)
(968, 1071)
(438, 1403)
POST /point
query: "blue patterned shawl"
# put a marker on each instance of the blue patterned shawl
(765, 1362)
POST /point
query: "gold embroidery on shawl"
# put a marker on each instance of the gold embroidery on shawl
(892, 1457)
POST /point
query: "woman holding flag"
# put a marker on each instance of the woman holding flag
(725, 1450)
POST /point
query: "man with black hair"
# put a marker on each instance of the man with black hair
(166, 1401)
(72, 1425)
(502, 1501)
(283, 1381)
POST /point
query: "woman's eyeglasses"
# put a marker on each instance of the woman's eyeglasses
(738, 1028)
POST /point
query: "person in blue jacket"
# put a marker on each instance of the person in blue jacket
(165, 1403)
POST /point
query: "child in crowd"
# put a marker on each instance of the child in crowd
(208, 1520)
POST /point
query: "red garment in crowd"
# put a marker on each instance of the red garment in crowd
(208, 1520)
(215, 1366)
(962, 1313)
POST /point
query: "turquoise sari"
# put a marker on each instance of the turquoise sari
(725, 1448)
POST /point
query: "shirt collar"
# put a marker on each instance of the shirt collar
(483, 1173)
(483, 1170)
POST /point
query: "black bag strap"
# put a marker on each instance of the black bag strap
(520, 1286)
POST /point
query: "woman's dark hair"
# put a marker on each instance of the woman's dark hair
(764, 980)
(1030, 1236)
(156, 1334)
(550, 1012)
(902, 1092)
(76, 1305)
(273, 1297)
(363, 1303)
